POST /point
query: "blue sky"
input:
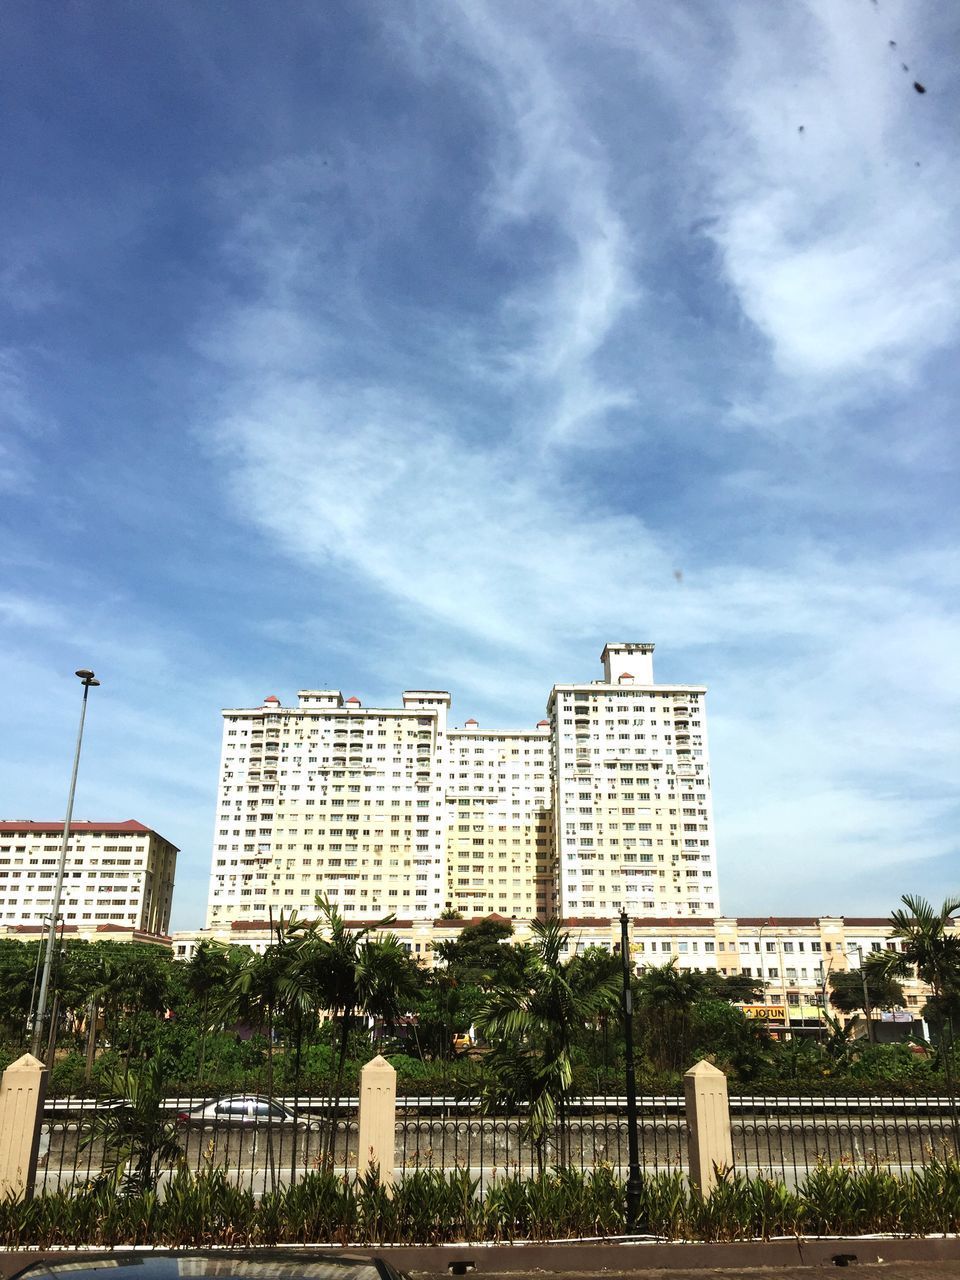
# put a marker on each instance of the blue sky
(388, 345)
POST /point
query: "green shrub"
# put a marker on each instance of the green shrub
(432, 1207)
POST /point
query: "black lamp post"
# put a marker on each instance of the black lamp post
(634, 1181)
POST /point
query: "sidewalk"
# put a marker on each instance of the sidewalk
(934, 1258)
(872, 1271)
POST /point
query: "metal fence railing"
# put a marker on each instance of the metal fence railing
(787, 1137)
(592, 1133)
(781, 1137)
(82, 1140)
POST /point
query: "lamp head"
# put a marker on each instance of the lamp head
(87, 676)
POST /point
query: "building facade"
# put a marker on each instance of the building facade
(791, 958)
(393, 811)
(499, 822)
(335, 798)
(119, 875)
(633, 812)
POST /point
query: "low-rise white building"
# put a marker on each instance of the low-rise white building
(790, 958)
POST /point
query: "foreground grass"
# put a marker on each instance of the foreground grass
(431, 1207)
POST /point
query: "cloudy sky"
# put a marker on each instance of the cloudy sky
(390, 344)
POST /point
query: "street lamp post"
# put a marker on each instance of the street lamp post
(634, 1181)
(867, 1010)
(89, 681)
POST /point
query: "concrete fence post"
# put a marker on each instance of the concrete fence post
(22, 1093)
(378, 1117)
(709, 1144)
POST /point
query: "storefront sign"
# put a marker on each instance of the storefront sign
(765, 1012)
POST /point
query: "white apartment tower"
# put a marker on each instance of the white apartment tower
(632, 807)
(332, 797)
(390, 811)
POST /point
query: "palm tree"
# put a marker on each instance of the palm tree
(103, 979)
(667, 996)
(936, 955)
(334, 965)
(137, 1131)
(532, 1027)
(259, 992)
(927, 944)
(589, 969)
(211, 970)
(341, 957)
(388, 981)
(18, 968)
(255, 995)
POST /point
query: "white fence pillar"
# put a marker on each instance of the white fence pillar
(22, 1093)
(378, 1118)
(709, 1143)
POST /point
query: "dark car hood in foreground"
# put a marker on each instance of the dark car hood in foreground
(176, 1265)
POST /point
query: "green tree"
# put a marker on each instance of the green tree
(445, 1006)
(668, 995)
(477, 951)
(935, 953)
(532, 1026)
(883, 989)
(137, 1131)
(740, 1046)
(734, 988)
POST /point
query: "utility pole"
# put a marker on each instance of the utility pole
(634, 1181)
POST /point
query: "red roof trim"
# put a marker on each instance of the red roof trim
(130, 825)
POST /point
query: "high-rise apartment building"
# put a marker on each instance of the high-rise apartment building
(632, 806)
(117, 874)
(500, 822)
(389, 810)
(333, 797)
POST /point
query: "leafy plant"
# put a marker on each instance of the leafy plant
(137, 1133)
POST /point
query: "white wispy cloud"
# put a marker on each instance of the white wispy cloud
(22, 421)
(545, 169)
(849, 278)
(836, 218)
(719, 311)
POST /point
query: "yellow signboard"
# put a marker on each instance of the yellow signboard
(765, 1012)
